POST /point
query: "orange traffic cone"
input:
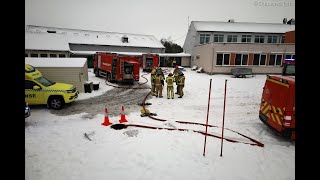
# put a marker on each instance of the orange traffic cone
(106, 118)
(123, 118)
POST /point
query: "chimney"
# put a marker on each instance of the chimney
(285, 21)
(125, 39)
(291, 21)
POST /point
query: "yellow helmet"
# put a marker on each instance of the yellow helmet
(153, 71)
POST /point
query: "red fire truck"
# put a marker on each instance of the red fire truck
(149, 61)
(117, 68)
(277, 108)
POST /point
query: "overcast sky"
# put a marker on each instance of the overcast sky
(161, 18)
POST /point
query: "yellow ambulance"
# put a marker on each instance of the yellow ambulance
(39, 90)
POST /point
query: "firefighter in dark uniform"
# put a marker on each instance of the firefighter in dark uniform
(170, 89)
(153, 89)
(159, 82)
(181, 80)
(176, 75)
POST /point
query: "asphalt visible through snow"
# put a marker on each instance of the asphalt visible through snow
(113, 100)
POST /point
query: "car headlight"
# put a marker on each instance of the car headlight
(69, 91)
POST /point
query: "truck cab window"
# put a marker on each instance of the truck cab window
(29, 84)
(44, 81)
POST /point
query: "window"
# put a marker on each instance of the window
(275, 60)
(51, 31)
(259, 39)
(244, 59)
(53, 55)
(226, 59)
(241, 59)
(34, 55)
(246, 38)
(259, 59)
(198, 56)
(218, 38)
(290, 56)
(237, 60)
(44, 81)
(290, 70)
(26, 55)
(272, 39)
(232, 38)
(282, 39)
(272, 59)
(223, 59)
(219, 59)
(279, 60)
(29, 84)
(204, 38)
(43, 55)
(263, 58)
(256, 59)
(62, 55)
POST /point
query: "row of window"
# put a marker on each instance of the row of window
(44, 55)
(205, 38)
(258, 59)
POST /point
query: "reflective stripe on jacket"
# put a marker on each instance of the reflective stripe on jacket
(181, 80)
(169, 81)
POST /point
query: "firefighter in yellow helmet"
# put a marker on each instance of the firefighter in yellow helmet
(152, 78)
(170, 89)
(176, 75)
(159, 82)
(181, 80)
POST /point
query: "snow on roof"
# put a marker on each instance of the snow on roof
(133, 53)
(46, 41)
(76, 36)
(56, 62)
(242, 27)
(93, 52)
(175, 55)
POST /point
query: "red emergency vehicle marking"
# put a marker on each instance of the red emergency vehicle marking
(278, 82)
(274, 109)
(280, 112)
(265, 110)
(272, 117)
(268, 115)
(279, 122)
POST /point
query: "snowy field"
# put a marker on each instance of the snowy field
(56, 149)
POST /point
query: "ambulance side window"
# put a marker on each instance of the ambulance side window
(29, 84)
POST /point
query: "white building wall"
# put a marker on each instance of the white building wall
(208, 55)
(71, 75)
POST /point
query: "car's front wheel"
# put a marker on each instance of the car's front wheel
(56, 102)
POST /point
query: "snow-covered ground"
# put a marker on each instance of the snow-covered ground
(55, 146)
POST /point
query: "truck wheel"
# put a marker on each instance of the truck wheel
(56, 102)
(96, 72)
(108, 77)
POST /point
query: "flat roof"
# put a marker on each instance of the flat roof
(242, 27)
(56, 62)
(175, 55)
(78, 36)
(46, 41)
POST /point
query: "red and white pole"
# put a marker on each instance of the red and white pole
(224, 109)
(205, 137)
